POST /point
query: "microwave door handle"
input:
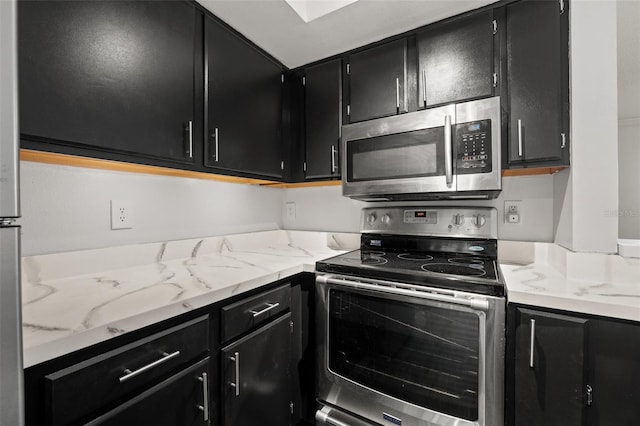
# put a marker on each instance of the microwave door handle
(448, 150)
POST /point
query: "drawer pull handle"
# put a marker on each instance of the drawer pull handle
(131, 374)
(269, 307)
(236, 360)
(205, 395)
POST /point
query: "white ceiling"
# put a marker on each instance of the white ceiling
(275, 27)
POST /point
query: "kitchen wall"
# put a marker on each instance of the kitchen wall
(324, 208)
(68, 208)
(629, 119)
(629, 177)
(586, 195)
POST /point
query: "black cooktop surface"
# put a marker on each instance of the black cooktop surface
(456, 271)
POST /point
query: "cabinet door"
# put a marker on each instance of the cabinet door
(456, 61)
(257, 377)
(244, 104)
(550, 374)
(177, 401)
(115, 76)
(378, 81)
(537, 82)
(614, 378)
(323, 118)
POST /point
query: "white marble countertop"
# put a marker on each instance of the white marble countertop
(549, 276)
(76, 299)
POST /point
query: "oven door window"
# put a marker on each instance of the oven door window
(397, 156)
(422, 354)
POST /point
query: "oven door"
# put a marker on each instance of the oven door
(407, 153)
(398, 354)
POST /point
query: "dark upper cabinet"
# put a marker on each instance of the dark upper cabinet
(550, 376)
(323, 118)
(537, 73)
(456, 60)
(243, 109)
(114, 76)
(378, 81)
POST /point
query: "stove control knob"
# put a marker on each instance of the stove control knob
(458, 219)
(371, 219)
(479, 220)
(385, 219)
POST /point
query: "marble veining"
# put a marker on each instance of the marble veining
(66, 313)
(554, 277)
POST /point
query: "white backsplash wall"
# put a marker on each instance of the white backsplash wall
(68, 208)
(629, 178)
(325, 209)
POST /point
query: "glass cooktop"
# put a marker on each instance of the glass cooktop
(458, 271)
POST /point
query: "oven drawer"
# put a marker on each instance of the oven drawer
(248, 313)
(81, 389)
(330, 416)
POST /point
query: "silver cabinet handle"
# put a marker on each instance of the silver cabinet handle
(131, 374)
(398, 94)
(269, 307)
(236, 360)
(563, 139)
(424, 87)
(205, 395)
(519, 138)
(190, 139)
(532, 345)
(333, 158)
(215, 135)
(448, 150)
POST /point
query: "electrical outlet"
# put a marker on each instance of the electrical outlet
(291, 211)
(121, 214)
(513, 211)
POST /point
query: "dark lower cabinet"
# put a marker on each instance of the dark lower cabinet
(538, 82)
(243, 110)
(322, 119)
(181, 400)
(571, 369)
(614, 373)
(550, 372)
(116, 76)
(257, 377)
(378, 81)
(456, 60)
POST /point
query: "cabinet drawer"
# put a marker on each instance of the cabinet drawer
(78, 391)
(246, 314)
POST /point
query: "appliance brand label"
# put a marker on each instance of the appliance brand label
(375, 243)
(392, 419)
(476, 248)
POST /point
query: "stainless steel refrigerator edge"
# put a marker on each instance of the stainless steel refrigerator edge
(11, 367)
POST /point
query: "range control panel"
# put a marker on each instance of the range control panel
(480, 222)
(473, 147)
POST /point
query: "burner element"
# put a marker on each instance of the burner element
(473, 270)
(466, 261)
(415, 256)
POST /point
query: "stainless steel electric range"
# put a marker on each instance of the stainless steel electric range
(411, 327)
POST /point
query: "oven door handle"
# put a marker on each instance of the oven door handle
(385, 287)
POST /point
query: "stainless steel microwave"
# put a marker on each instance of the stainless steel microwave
(449, 152)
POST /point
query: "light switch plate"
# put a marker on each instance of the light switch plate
(121, 214)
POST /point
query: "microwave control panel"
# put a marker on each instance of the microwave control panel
(473, 147)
